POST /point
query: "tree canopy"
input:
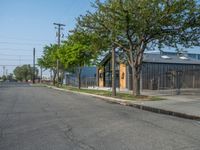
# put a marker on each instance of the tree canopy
(131, 26)
(48, 59)
(138, 25)
(24, 73)
(79, 50)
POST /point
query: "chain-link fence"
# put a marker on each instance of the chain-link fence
(85, 82)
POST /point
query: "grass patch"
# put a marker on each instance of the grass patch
(156, 98)
(38, 85)
(124, 96)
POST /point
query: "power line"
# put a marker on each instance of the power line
(18, 56)
(15, 43)
(26, 39)
(13, 49)
(16, 59)
(13, 65)
(10, 65)
(13, 55)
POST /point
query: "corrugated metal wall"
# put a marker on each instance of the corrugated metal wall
(168, 76)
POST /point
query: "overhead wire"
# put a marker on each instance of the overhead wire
(16, 43)
(13, 55)
(8, 59)
(26, 39)
(18, 55)
(11, 65)
(23, 50)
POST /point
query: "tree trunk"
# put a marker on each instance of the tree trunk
(54, 78)
(61, 78)
(79, 81)
(40, 74)
(79, 77)
(136, 80)
(136, 84)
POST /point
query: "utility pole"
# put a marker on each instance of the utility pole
(41, 74)
(4, 68)
(33, 65)
(112, 36)
(59, 27)
(113, 71)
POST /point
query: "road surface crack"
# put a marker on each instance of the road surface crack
(70, 136)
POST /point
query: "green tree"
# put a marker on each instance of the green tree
(24, 73)
(4, 78)
(48, 60)
(137, 25)
(78, 51)
(10, 77)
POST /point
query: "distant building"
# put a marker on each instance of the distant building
(158, 72)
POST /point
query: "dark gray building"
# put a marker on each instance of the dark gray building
(170, 71)
(190, 55)
(158, 72)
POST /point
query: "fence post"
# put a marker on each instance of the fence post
(193, 81)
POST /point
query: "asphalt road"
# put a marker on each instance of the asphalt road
(38, 118)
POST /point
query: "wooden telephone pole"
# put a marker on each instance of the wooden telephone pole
(59, 27)
(33, 65)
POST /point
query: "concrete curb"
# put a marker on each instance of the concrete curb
(135, 105)
(165, 112)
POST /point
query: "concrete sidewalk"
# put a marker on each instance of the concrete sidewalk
(184, 106)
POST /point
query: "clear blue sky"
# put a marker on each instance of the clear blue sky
(25, 24)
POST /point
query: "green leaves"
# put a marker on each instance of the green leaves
(24, 72)
(132, 26)
(50, 55)
(159, 22)
(136, 25)
(78, 50)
